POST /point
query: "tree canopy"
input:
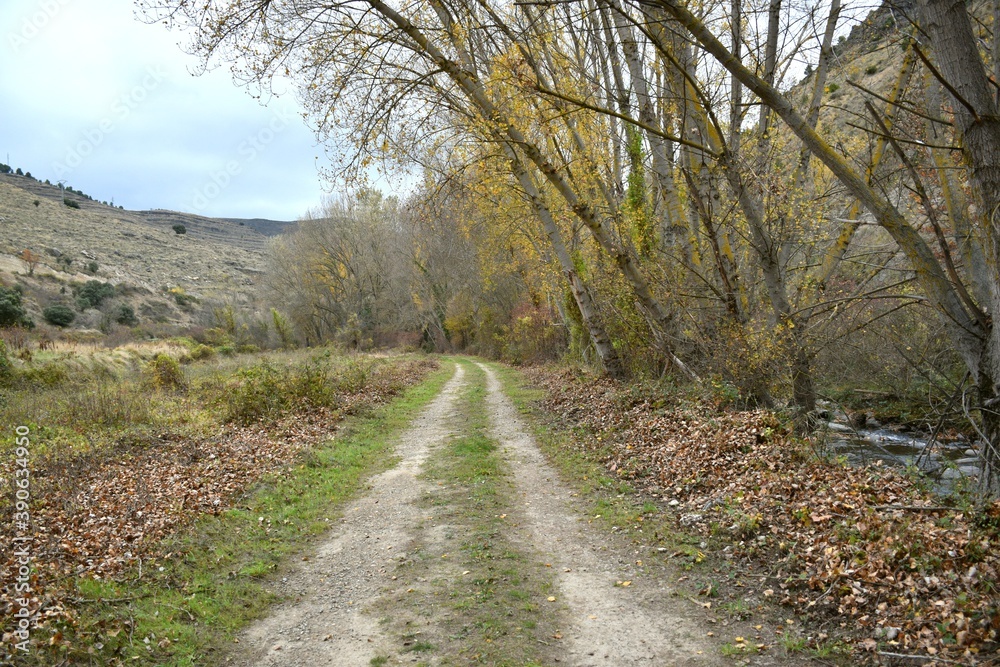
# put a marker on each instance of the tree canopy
(644, 177)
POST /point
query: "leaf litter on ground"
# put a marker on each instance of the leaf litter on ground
(865, 548)
(100, 513)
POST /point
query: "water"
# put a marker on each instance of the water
(943, 462)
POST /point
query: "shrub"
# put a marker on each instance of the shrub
(69, 202)
(31, 259)
(200, 351)
(165, 373)
(283, 328)
(47, 375)
(109, 404)
(59, 315)
(36, 203)
(16, 338)
(125, 314)
(181, 298)
(832, 88)
(93, 293)
(92, 267)
(179, 229)
(263, 392)
(256, 395)
(12, 313)
(871, 69)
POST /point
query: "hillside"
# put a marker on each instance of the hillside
(213, 260)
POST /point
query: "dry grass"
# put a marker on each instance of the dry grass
(213, 260)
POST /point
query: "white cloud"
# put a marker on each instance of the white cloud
(93, 96)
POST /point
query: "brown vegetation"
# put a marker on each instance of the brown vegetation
(865, 552)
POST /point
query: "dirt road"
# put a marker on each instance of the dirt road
(387, 584)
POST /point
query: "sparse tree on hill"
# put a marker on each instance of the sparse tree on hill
(31, 259)
(125, 315)
(12, 311)
(59, 315)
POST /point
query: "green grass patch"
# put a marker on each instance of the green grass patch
(187, 608)
(486, 602)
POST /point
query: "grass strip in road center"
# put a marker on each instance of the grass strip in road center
(472, 590)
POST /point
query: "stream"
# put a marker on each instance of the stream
(944, 463)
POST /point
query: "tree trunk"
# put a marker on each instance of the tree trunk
(825, 55)
(977, 119)
(610, 361)
(673, 234)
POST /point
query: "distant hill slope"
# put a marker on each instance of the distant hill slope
(215, 259)
(262, 225)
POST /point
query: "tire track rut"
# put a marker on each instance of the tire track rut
(610, 625)
(325, 623)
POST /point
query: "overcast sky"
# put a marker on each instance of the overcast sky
(92, 96)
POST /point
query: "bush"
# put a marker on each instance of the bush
(92, 267)
(200, 351)
(36, 203)
(47, 376)
(264, 392)
(832, 88)
(93, 293)
(69, 202)
(165, 373)
(871, 69)
(125, 314)
(182, 299)
(59, 315)
(12, 313)
(256, 395)
(179, 229)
